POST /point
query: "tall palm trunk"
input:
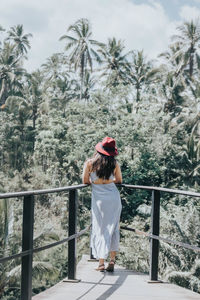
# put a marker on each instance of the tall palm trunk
(191, 63)
(81, 90)
(137, 93)
(34, 123)
(3, 92)
(128, 106)
(82, 74)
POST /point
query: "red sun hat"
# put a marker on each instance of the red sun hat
(107, 147)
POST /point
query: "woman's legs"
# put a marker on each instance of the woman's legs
(101, 261)
(110, 267)
(112, 255)
(112, 258)
(101, 266)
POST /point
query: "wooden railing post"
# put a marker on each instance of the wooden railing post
(27, 244)
(155, 228)
(73, 207)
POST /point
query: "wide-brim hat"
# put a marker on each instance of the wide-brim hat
(107, 147)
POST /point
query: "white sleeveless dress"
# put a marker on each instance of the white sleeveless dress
(106, 210)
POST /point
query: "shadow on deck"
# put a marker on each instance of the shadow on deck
(121, 285)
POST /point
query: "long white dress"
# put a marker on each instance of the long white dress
(106, 210)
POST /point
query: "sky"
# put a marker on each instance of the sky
(140, 24)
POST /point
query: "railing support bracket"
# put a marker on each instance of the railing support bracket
(71, 280)
(154, 281)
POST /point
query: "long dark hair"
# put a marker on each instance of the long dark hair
(103, 165)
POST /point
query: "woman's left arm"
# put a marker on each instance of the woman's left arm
(86, 173)
(118, 174)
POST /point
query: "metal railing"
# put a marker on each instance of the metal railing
(155, 225)
(28, 221)
(27, 235)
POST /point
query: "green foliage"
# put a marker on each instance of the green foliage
(51, 121)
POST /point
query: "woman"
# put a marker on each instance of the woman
(102, 171)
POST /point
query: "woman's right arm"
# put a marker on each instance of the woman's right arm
(86, 173)
(118, 174)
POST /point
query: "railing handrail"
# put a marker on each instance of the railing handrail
(39, 192)
(161, 189)
(38, 249)
(160, 238)
(80, 186)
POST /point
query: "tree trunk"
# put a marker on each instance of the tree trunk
(137, 93)
(128, 106)
(34, 123)
(82, 74)
(81, 91)
(3, 92)
(34, 116)
(137, 97)
(191, 60)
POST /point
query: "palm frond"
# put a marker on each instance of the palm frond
(96, 43)
(68, 37)
(70, 45)
(97, 57)
(89, 59)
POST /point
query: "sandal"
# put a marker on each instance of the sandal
(101, 268)
(110, 267)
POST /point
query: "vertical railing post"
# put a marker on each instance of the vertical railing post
(27, 244)
(91, 255)
(73, 206)
(155, 228)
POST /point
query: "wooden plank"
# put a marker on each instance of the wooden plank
(122, 284)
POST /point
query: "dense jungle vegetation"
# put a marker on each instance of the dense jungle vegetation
(52, 118)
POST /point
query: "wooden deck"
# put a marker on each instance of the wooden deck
(121, 285)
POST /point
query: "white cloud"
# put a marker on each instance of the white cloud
(188, 13)
(145, 26)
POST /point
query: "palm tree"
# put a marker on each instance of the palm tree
(191, 159)
(172, 90)
(115, 62)
(10, 72)
(34, 93)
(1, 29)
(52, 67)
(173, 59)
(66, 90)
(21, 40)
(82, 53)
(174, 82)
(55, 70)
(89, 83)
(19, 136)
(141, 73)
(187, 42)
